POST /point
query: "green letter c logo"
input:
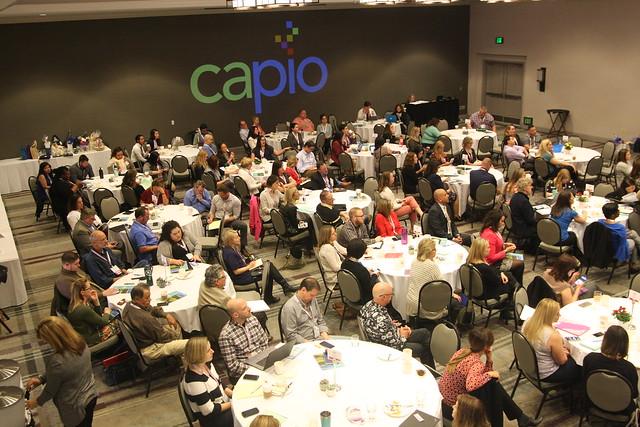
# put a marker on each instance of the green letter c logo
(195, 90)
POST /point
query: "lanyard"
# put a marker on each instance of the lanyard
(106, 257)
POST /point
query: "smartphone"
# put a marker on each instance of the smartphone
(162, 304)
(326, 344)
(598, 334)
(396, 238)
(581, 280)
(250, 377)
(250, 412)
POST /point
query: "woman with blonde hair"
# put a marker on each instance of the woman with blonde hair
(439, 155)
(330, 254)
(469, 412)
(207, 398)
(495, 282)
(555, 363)
(86, 315)
(387, 224)
(545, 152)
(510, 187)
(467, 155)
(560, 183)
(265, 421)
(407, 206)
(200, 165)
(291, 169)
(467, 373)
(245, 173)
(68, 378)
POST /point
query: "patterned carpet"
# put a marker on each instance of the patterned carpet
(40, 248)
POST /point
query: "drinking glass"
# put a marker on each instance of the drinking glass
(355, 338)
(420, 399)
(372, 410)
(597, 295)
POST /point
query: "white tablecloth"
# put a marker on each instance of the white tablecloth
(365, 129)
(274, 139)
(449, 257)
(366, 378)
(13, 292)
(310, 199)
(461, 182)
(365, 160)
(457, 135)
(16, 172)
(187, 217)
(597, 316)
(115, 186)
(188, 151)
(577, 156)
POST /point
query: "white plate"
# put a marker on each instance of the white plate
(388, 356)
(396, 409)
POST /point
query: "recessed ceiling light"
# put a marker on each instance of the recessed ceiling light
(43, 14)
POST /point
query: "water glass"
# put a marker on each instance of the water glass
(372, 410)
(355, 338)
(420, 399)
(597, 296)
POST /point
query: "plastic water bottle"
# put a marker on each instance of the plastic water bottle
(404, 236)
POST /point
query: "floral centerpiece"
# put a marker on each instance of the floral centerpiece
(622, 315)
(568, 146)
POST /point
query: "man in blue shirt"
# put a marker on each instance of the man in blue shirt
(144, 241)
(209, 145)
(198, 197)
(624, 241)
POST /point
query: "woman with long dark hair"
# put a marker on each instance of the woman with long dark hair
(44, 180)
(177, 247)
(154, 166)
(562, 212)
(154, 139)
(561, 278)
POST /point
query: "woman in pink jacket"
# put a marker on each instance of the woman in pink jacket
(498, 249)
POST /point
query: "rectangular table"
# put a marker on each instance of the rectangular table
(13, 292)
(423, 111)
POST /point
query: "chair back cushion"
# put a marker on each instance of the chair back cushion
(608, 390)
(349, 286)
(445, 341)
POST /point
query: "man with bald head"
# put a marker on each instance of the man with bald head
(240, 338)
(480, 176)
(440, 220)
(381, 329)
(102, 264)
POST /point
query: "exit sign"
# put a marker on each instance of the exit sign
(499, 40)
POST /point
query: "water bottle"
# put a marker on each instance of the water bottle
(148, 274)
(101, 173)
(404, 236)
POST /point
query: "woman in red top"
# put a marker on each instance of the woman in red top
(498, 249)
(467, 373)
(156, 194)
(340, 144)
(291, 169)
(387, 223)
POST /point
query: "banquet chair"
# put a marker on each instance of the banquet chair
(370, 186)
(388, 163)
(448, 146)
(130, 197)
(209, 182)
(576, 141)
(249, 287)
(484, 200)
(181, 168)
(330, 288)
(350, 292)
(634, 221)
(603, 189)
(608, 394)
(317, 224)
(473, 288)
(210, 242)
(485, 147)
(634, 284)
(541, 168)
(346, 166)
(443, 343)
(424, 223)
(434, 297)
(98, 195)
(527, 364)
(443, 124)
(280, 228)
(151, 367)
(280, 328)
(109, 207)
(520, 299)
(188, 413)
(284, 143)
(608, 153)
(508, 220)
(599, 250)
(212, 320)
(592, 172)
(426, 192)
(33, 188)
(321, 141)
(378, 129)
(549, 234)
(282, 127)
(361, 330)
(513, 168)
(243, 191)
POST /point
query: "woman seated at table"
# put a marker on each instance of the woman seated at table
(200, 165)
(154, 166)
(635, 171)
(76, 204)
(510, 187)
(563, 213)
(225, 156)
(283, 178)
(626, 192)
(467, 373)
(214, 169)
(498, 249)
(176, 246)
(467, 155)
(86, 315)
(291, 169)
(325, 127)
(245, 173)
(402, 117)
(413, 141)
(545, 152)
(406, 206)
(561, 278)
(264, 151)
(431, 174)
(356, 250)
(468, 411)
(411, 171)
(341, 142)
(330, 254)
(523, 216)
(245, 271)
(555, 364)
(130, 180)
(256, 128)
(562, 182)
(156, 194)
(119, 160)
(439, 155)
(208, 399)
(271, 198)
(387, 224)
(430, 134)
(294, 227)
(613, 351)
(44, 180)
(495, 282)
(623, 164)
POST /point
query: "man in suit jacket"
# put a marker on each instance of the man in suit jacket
(329, 214)
(480, 176)
(440, 222)
(102, 264)
(321, 179)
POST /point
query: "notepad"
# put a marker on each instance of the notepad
(393, 255)
(215, 225)
(257, 306)
(572, 328)
(258, 264)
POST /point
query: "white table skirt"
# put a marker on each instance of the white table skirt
(461, 183)
(310, 199)
(366, 161)
(187, 217)
(457, 135)
(114, 187)
(449, 257)
(16, 172)
(188, 151)
(365, 129)
(366, 378)
(13, 292)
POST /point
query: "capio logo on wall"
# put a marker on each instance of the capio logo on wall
(290, 75)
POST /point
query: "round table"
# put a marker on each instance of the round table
(366, 161)
(457, 135)
(188, 151)
(365, 129)
(260, 171)
(187, 216)
(597, 316)
(577, 156)
(274, 139)
(367, 378)
(592, 211)
(394, 263)
(113, 183)
(310, 199)
(460, 181)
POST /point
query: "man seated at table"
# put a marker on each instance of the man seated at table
(306, 163)
(366, 279)
(514, 152)
(330, 214)
(209, 146)
(532, 139)
(440, 222)
(243, 131)
(381, 329)
(80, 235)
(227, 205)
(482, 117)
(198, 197)
(240, 338)
(156, 194)
(158, 333)
(295, 138)
(366, 112)
(139, 152)
(480, 176)
(144, 240)
(321, 180)
(81, 171)
(625, 242)
(302, 318)
(103, 265)
(354, 228)
(511, 132)
(304, 123)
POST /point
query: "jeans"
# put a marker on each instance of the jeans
(570, 372)
(88, 413)
(272, 275)
(418, 342)
(496, 401)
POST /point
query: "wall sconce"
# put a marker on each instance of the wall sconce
(542, 78)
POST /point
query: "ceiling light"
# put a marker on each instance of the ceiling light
(377, 2)
(261, 4)
(43, 14)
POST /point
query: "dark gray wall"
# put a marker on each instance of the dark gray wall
(127, 76)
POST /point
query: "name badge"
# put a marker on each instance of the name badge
(316, 331)
(116, 270)
(190, 257)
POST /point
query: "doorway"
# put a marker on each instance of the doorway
(502, 92)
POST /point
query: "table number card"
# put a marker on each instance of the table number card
(634, 296)
(589, 188)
